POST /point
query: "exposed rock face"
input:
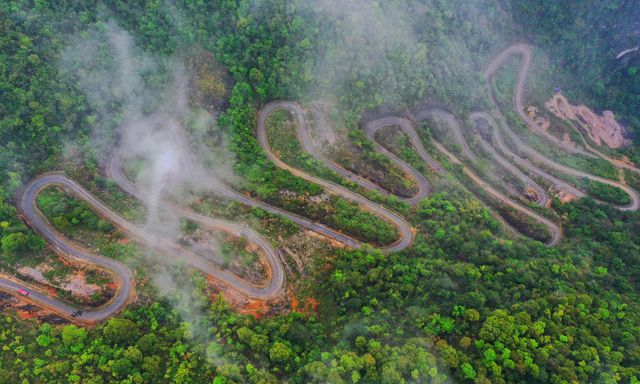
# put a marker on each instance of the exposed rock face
(602, 129)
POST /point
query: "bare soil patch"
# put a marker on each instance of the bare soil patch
(601, 129)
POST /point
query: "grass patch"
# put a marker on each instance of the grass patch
(605, 192)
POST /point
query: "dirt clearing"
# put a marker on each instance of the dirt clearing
(601, 129)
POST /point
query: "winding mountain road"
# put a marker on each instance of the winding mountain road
(498, 143)
(26, 203)
(424, 114)
(452, 122)
(405, 126)
(424, 188)
(406, 232)
(554, 229)
(543, 197)
(525, 51)
(274, 285)
(620, 164)
(526, 150)
(169, 249)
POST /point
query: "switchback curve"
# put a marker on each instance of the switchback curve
(452, 122)
(525, 51)
(28, 207)
(406, 232)
(520, 146)
(275, 284)
(543, 197)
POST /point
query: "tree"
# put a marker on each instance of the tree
(15, 243)
(121, 331)
(74, 337)
(499, 327)
(391, 376)
(280, 352)
(468, 371)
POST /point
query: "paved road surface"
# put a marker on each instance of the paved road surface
(543, 197)
(166, 248)
(452, 122)
(405, 125)
(26, 203)
(525, 51)
(529, 152)
(498, 143)
(424, 188)
(405, 231)
(274, 286)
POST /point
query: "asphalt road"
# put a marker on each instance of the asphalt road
(308, 145)
(424, 188)
(274, 286)
(525, 52)
(166, 249)
(405, 231)
(532, 154)
(543, 198)
(498, 143)
(26, 203)
(452, 122)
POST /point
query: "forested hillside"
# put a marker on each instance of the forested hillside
(463, 303)
(585, 39)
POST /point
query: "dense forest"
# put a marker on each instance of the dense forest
(463, 304)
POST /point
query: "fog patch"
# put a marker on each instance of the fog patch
(140, 111)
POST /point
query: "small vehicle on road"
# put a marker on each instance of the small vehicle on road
(77, 313)
(23, 292)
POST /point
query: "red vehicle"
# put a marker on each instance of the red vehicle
(23, 292)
